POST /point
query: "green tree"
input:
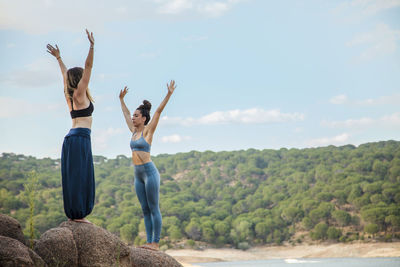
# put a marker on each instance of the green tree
(222, 228)
(262, 230)
(128, 232)
(307, 223)
(193, 230)
(319, 231)
(333, 233)
(341, 217)
(393, 221)
(371, 228)
(174, 232)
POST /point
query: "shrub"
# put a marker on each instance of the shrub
(333, 233)
(243, 246)
(371, 228)
(319, 231)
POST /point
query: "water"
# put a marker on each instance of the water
(326, 262)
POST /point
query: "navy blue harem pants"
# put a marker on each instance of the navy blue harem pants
(77, 173)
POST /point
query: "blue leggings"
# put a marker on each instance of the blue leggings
(147, 186)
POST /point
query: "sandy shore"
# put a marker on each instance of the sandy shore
(360, 250)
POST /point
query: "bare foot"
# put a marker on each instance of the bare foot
(82, 221)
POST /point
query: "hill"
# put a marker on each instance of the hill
(241, 198)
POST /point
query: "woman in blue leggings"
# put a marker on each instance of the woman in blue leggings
(147, 178)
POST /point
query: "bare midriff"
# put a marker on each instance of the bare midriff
(82, 122)
(140, 157)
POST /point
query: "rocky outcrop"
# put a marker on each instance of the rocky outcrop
(10, 227)
(76, 244)
(57, 247)
(141, 257)
(82, 244)
(14, 253)
(96, 246)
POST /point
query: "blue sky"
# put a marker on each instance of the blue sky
(250, 73)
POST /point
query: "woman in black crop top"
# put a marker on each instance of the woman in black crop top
(76, 157)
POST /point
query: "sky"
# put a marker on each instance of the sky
(249, 73)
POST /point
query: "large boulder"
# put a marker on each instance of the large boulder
(141, 257)
(96, 246)
(81, 244)
(57, 247)
(10, 227)
(15, 254)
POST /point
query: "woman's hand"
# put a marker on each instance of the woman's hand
(171, 86)
(53, 51)
(123, 93)
(90, 37)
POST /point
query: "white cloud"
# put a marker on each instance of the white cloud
(382, 100)
(175, 138)
(339, 99)
(175, 6)
(389, 121)
(351, 123)
(248, 116)
(371, 7)
(356, 10)
(16, 107)
(43, 16)
(208, 8)
(41, 73)
(392, 119)
(102, 136)
(13, 107)
(217, 8)
(325, 141)
(382, 40)
(214, 9)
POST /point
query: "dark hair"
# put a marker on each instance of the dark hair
(74, 75)
(145, 110)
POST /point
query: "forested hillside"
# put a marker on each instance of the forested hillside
(242, 198)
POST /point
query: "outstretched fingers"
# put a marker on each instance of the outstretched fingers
(171, 86)
(90, 36)
(123, 92)
(53, 51)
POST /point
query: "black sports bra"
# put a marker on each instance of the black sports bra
(86, 112)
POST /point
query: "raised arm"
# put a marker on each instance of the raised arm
(156, 117)
(125, 110)
(55, 51)
(84, 82)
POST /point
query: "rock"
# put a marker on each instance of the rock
(96, 246)
(37, 260)
(10, 227)
(57, 247)
(73, 244)
(15, 254)
(141, 257)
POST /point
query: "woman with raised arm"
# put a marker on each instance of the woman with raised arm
(147, 178)
(76, 157)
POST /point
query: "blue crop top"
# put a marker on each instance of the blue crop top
(140, 145)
